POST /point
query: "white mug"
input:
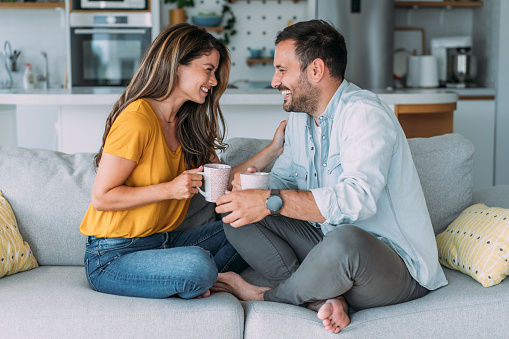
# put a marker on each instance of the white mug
(216, 178)
(257, 180)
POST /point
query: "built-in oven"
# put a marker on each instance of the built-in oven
(106, 48)
(113, 4)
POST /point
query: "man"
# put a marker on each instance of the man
(349, 226)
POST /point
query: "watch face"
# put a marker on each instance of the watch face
(274, 203)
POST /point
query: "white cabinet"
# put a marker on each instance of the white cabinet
(81, 127)
(35, 126)
(475, 119)
(8, 125)
(253, 121)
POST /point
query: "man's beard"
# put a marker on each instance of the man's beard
(304, 98)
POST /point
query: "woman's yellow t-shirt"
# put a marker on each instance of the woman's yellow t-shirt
(137, 135)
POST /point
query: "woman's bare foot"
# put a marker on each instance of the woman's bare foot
(233, 283)
(333, 313)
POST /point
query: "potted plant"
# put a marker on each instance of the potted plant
(178, 15)
(229, 27)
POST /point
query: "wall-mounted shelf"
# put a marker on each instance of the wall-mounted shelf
(218, 29)
(233, 1)
(32, 5)
(252, 61)
(438, 4)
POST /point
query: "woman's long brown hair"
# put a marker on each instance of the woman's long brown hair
(201, 127)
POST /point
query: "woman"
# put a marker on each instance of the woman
(164, 127)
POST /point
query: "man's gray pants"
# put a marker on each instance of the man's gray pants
(303, 265)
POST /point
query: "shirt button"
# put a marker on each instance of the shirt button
(296, 174)
(320, 118)
(324, 164)
(323, 136)
(312, 148)
(315, 174)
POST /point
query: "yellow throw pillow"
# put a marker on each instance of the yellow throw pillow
(15, 254)
(477, 244)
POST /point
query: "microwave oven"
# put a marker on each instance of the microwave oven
(113, 4)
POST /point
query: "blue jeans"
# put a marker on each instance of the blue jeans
(183, 263)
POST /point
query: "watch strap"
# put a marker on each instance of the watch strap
(275, 193)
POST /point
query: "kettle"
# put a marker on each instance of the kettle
(461, 67)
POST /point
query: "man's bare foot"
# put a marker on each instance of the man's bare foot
(204, 295)
(333, 313)
(233, 283)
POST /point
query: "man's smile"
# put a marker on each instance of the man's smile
(286, 93)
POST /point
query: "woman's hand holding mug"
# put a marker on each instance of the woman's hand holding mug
(185, 186)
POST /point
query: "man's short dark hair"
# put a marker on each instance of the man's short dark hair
(317, 39)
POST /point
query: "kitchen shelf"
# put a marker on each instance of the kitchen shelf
(437, 4)
(218, 29)
(252, 61)
(233, 1)
(32, 5)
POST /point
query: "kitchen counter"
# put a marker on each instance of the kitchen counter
(250, 111)
(240, 96)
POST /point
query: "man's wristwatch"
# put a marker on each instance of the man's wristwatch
(274, 202)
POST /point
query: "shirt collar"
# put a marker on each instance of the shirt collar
(334, 101)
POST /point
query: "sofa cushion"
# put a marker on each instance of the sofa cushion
(477, 244)
(462, 309)
(241, 149)
(444, 164)
(15, 254)
(49, 193)
(57, 302)
(496, 196)
(200, 212)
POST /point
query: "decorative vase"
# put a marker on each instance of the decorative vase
(177, 16)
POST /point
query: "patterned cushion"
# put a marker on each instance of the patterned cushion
(477, 244)
(15, 254)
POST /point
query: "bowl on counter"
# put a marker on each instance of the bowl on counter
(207, 19)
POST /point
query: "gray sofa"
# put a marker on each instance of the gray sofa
(50, 192)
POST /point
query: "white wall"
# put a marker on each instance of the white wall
(33, 31)
(258, 23)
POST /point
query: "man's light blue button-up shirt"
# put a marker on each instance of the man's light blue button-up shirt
(368, 177)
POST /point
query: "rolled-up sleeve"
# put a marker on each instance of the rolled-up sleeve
(366, 138)
(279, 177)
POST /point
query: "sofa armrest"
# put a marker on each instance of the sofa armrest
(495, 196)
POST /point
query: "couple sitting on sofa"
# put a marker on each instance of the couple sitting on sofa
(344, 225)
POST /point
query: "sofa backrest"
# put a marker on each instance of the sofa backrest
(445, 167)
(49, 193)
(444, 164)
